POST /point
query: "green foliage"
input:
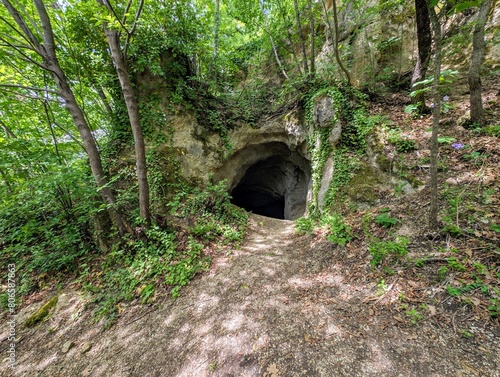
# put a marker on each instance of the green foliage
(134, 270)
(458, 291)
(493, 130)
(454, 264)
(402, 144)
(45, 223)
(446, 139)
(388, 250)
(210, 213)
(466, 334)
(442, 272)
(414, 315)
(344, 166)
(304, 225)
(425, 85)
(338, 231)
(452, 230)
(385, 220)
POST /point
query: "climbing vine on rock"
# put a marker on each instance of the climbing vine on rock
(342, 138)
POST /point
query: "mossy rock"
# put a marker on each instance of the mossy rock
(365, 185)
(41, 313)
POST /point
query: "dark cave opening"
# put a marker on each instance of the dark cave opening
(259, 202)
(275, 187)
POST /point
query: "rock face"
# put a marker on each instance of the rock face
(267, 170)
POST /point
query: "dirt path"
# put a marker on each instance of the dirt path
(279, 306)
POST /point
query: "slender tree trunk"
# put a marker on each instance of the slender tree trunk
(268, 30)
(424, 43)
(289, 35)
(88, 142)
(330, 29)
(313, 38)
(436, 110)
(335, 38)
(104, 100)
(301, 36)
(133, 114)
(213, 66)
(47, 52)
(478, 47)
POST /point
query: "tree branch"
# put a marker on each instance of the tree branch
(29, 88)
(16, 31)
(24, 57)
(20, 22)
(30, 96)
(134, 26)
(48, 35)
(107, 4)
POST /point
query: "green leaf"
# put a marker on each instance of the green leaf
(446, 139)
(460, 7)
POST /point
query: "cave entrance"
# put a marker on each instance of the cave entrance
(274, 187)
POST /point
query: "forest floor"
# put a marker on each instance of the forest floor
(282, 305)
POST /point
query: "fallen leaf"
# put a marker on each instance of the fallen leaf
(398, 318)
(272, 371)
(432, 310)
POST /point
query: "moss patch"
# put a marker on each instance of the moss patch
(41, 313)
(364, 186)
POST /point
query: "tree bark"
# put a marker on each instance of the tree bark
(434, 205)
(313, 39)
(213, 66)
(478, 47)
(424, 43)
(289, 35)
(335, 38)
(133, 114)
(268, 30)
(301, 37)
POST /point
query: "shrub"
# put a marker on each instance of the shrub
(390, 249)
(304, 225)
(385, 220)
(338, 231)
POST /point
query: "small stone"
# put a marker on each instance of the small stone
(86, 347)
(67, 346)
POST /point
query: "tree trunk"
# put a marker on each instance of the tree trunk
(424, 42)
(434, 208)
(289, 35)
(478, 47)
(301, 37)
(313, 39)
(213, 66)
(268, 30)
(335, 38)
(133, 114)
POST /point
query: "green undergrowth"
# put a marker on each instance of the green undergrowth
(338, 231)
(160, 260)
(167, 259)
